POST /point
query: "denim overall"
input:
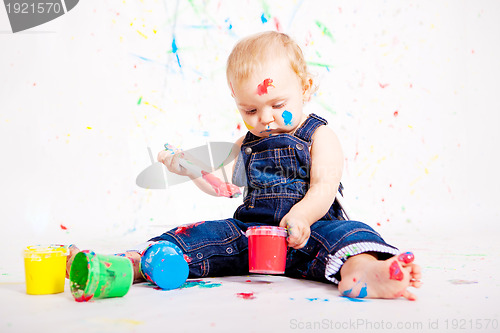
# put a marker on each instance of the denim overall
(275, 171)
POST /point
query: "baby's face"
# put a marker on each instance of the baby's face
(271, 101)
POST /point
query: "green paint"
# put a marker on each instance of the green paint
(199, 283)
(265, 8)
(325, 106)
(325, 30)
(318, 64)
(139, 101)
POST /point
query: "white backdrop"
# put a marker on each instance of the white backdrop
(409, 87)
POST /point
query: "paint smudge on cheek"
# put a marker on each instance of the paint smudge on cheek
(406, 257)
(395, 272)
(250, 127)
(262, 88)
(287, 117)
(245, 295)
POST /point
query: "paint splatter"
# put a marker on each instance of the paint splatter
(262, 88)
(406, 257)
(318, 299)
(174, 51)
(395, 272)
(287, 117)
(396, 113)
(63, 227)
(277, 24)
(183, 228)
(221, 188)
(324, 30)
(245, 295)
(263, 18)
(383, 85)
(200, 283)
(458, 281)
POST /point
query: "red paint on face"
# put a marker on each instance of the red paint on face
(262, 88)
(221, 188)
(406, 257)
(395, 272)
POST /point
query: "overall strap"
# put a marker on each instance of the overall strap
(306, 131)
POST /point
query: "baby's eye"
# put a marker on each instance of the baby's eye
(250, 111)
(278, 106)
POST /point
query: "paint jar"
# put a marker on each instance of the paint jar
(163, 264)
(99, 276)
(267, 249)
(45, 269)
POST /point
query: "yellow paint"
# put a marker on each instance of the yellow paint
(143, 35)
(248, 126)
(45, 268)
(88, 127)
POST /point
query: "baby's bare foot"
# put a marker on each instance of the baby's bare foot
(73, 250)
(365, 276)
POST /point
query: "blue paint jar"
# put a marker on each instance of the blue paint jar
(163, 264)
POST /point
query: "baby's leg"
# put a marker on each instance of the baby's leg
(363, 275)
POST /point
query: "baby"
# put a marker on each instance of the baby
(291, 165)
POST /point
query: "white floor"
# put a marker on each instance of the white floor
(460, 294)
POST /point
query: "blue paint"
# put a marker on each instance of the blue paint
(347, 292)
(174, 50)
(287, 117)
(230, 25)
(163, 264)
(263, 18)
(363, 293)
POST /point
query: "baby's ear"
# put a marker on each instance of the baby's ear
(307, 89)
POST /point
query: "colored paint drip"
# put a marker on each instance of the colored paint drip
(406, 257)
(267, 248)
(395, 272)
(221, 188)
(262, 88)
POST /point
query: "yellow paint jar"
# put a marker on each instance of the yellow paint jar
(45, 268)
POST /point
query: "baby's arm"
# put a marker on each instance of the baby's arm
(327, 163)
(212, 183)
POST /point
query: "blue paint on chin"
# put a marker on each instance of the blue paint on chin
(287, 117)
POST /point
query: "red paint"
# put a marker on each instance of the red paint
(221, 188)
(245, 295)
(277, 24)
(238, 127)
(396, 113)
(183, 228)
(83, 298)
(395, 272)
(187, 258)
(354, 279)
(262, 88)
(267, 249)
(383, 85)
(107, 264)
(63, 227)
(406, 257)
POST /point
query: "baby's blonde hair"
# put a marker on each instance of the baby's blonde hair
(250, 52)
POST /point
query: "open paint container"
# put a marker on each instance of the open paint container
(267, 249)
(45, 269)
(99, 276)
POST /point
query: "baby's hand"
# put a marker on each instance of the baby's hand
(171, 161)
(298, 230)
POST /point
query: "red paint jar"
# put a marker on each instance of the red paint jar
(267, 249)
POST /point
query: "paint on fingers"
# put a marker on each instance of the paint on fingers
(406, 257)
